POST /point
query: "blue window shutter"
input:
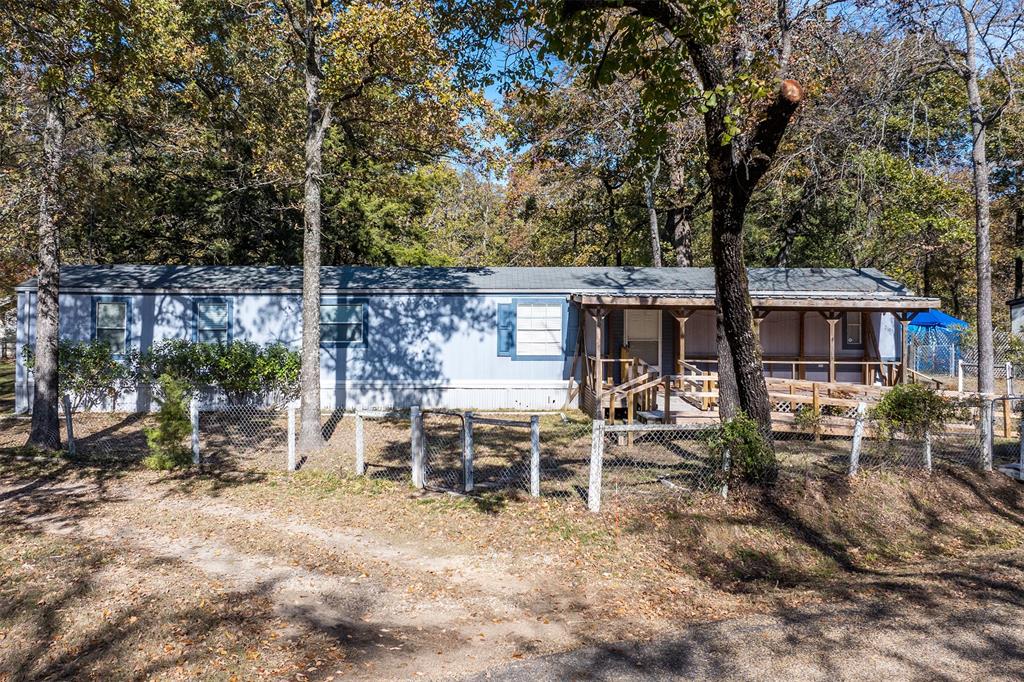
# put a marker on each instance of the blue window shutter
(506, 329)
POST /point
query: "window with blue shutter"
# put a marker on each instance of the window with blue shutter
(212, 320)
(506, 330)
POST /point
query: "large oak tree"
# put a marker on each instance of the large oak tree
(699, 55)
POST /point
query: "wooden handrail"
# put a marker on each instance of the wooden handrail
(626, 386)
(682, 364)
(914, 374)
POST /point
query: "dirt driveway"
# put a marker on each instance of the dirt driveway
(96, 567)
(125, 574)
(959, 623)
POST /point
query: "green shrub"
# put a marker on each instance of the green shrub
(912, 410)
(181, 359)
(166, 442)
(90, 372)
(806, 418)
(752, 458)
(242, 370)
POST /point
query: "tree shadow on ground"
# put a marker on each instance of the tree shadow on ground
(914, 627)
(69, 599)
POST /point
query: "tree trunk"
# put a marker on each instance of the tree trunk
(926, 276)
(318, 117)
(45, 431)
(979, 160)
(955, 296)
(732, 296)
(1018, 261)
(679, 217)
(652, 214)
(682, 236)
(728, 395)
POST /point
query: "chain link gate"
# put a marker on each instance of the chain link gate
(443, 440)
(502, 453)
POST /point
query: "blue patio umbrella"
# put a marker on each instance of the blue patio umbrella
(933, 318)
(937, 337)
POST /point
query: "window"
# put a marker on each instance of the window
(539, 329)
(213, 320)
(853, 330)
(342, 324)
(111, 326)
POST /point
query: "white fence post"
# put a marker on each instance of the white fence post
(960, 375)
(535, 455)
(467, 451)
(193, 409)
(1009, 378)
(858, 439)
(596, 456)
(726, 467)
(69, 425)
(416, 427)
(928, 451)
(291, 436)
(1020, 449)
(360, 447)
(986, 434)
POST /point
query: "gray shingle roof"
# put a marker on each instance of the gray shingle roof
(608, 281)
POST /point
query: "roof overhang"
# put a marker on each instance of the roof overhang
(824, 301)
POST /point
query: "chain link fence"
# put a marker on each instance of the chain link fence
(561, 456)
(656, 460)
(566, 441)
(502, 452)
(813, 445)
(106, 437)
(380, 444)
(243, 437)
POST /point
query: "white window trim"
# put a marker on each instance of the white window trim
(552, 349)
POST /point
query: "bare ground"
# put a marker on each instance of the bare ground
(116, 573)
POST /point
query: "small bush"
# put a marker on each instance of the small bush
(243, 370)
(90, 372)
(912, 410)
(752, 457)
(806, 418)
(166, 442)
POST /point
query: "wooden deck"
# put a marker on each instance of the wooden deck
(806, 407)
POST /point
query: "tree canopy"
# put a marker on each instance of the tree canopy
(184, 141)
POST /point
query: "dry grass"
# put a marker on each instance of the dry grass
(6, 387)
(206, 563)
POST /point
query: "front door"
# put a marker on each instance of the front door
(643, 336)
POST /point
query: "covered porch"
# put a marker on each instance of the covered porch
(654, 358)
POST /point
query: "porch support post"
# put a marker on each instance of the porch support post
(800, 354)
(831, 317)
(904, 347)
(681, 317)
(585, 370)
(759, 315)
(598, 315)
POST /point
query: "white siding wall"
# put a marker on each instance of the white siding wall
(432, 350)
